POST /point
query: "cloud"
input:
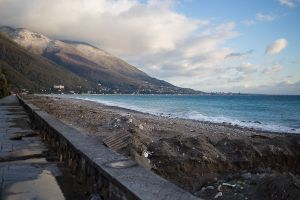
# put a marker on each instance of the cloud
(282, 87)
(288, 3)
(196, 56)
(247, 68)
(249, 22)
(259, 17)
(123, 27)
(264, 17)
(277, 46)
(273, 70)
(238, 54)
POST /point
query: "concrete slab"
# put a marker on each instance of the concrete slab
(25, 170)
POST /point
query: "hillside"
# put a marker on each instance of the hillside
(33, 72)
(4, 87)
(100, 68)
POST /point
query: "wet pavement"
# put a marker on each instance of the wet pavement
(28, 169)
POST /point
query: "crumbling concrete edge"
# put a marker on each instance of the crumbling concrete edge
(87, 158)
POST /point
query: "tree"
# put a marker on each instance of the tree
(4, 87)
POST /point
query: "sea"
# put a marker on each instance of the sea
(275, 113)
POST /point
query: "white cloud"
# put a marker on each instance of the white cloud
(277, 46)
(281, 87)
(196, 56)
(273, 70)
(259, 17)
(247, 67)
(120, 26)
(248, 22)
(264, 17)
(288, 3)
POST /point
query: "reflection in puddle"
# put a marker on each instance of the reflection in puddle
(120, 164)
(43, 187)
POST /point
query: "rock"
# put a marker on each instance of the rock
(17, 137)
(210, 187)
(146, 154)
(220, 188)
(259, 136)
(204, 158)
(192, 130)
(95, 197)
(295, 179)
(247, 175)
(229, 185)
(219, 194)
(129, 121)
(141, 127)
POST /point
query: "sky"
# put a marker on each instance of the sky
(244, 46)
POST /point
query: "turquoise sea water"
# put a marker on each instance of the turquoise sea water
(270, 113)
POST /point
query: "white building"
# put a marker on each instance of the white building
(59, 87)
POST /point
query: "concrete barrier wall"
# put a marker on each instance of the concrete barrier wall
(99, 169)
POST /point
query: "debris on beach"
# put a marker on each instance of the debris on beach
(212, 161)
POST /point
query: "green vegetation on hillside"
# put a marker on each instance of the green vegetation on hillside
(4, 86)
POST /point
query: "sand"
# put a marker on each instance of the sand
(212, 161)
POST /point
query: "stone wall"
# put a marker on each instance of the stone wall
(99, 169)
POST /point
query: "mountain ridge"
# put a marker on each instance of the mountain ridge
(95, 65)
(27, 71)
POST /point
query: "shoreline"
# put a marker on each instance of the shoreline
(169, 116)
(198, 156)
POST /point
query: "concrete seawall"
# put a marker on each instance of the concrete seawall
(98, 168)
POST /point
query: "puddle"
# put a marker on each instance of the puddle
(43, 187)
(120, 164)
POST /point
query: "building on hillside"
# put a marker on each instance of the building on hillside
(58, 88)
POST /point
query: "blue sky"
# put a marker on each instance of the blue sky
(255, 33)
(248, 46)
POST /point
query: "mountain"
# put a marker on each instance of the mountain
(106, 72)
(33, 72)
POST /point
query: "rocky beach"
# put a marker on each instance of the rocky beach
(212, 161)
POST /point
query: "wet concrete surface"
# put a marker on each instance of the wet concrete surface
(29, 170)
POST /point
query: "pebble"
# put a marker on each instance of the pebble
(95, 197)
(219, 194)
(247, 175)
(229, 185)
(146, 154)
(141, 127)
(210, 187)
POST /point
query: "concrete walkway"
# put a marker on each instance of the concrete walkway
(28, 169)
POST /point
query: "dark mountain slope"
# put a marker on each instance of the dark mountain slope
(33, 72)
(92, 64)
